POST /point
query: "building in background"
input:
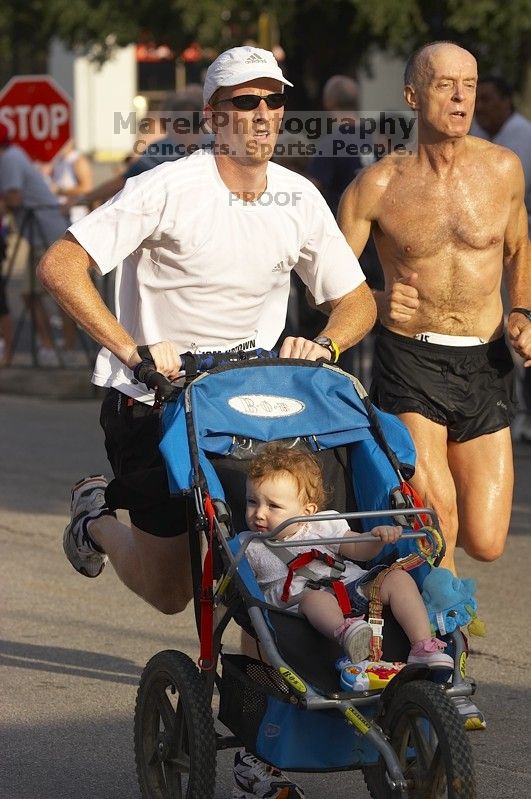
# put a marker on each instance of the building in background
(98, 94)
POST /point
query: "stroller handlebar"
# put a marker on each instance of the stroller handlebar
(192, 363)
(269, 538)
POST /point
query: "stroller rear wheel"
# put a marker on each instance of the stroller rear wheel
(175, 740)
(428, 736)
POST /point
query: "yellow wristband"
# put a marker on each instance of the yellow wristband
(335, 351)
(330, 345)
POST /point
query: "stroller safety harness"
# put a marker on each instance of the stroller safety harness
(301, 562)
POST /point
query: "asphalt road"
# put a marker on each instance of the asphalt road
(72, 649)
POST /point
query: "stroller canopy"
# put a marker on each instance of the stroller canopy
(266, 401)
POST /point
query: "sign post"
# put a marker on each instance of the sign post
(37, 114)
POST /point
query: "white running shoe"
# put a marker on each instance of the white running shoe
(254, 778)
(356, 640)
(88, 502)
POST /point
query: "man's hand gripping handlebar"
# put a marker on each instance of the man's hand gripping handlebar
(193, 364)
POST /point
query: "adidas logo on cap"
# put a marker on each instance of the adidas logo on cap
(255, 59)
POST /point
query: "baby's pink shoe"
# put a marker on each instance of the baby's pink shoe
(428, 653)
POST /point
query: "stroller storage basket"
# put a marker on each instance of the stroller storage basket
(255, 705)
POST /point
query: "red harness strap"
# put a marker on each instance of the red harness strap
(408, 491)
(206, 603)
(303, 560)
(297, 563)
(343, 599)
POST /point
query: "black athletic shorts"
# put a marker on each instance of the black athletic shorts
(132, 435)
(469, 390)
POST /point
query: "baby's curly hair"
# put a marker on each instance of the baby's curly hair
(301, 464)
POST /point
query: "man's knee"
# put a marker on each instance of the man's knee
(171, 600)
(171, 604)
(483, 541)
(169, 608)
(486, 552)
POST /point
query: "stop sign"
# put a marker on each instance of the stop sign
(37, 115)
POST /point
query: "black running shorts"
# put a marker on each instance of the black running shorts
(132, 435)
(469, 390)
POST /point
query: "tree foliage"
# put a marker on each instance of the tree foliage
(498, 34)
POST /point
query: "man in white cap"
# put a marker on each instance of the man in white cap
(203, 249)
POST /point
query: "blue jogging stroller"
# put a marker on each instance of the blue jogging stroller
(289, 709)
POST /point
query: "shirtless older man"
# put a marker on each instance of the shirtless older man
(449, 223)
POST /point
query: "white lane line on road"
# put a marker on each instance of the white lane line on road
(63, 668)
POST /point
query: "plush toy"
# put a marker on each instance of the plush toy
(451, 603)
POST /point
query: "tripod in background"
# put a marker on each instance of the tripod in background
(44, 347)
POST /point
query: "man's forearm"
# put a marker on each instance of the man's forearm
(351, 318)
(518, 277)
(64, 272)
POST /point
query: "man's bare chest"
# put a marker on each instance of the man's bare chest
(420, 221)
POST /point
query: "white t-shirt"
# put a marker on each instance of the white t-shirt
(199, 267)
(515, 134)
(19, 173)
(271, 572)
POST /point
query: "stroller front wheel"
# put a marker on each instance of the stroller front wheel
(428, 735)
(175, 739)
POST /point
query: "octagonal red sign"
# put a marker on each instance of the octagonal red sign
(37, 114)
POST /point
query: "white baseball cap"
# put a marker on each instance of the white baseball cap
(238, 65)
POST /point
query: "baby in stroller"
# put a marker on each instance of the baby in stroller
(283, 483)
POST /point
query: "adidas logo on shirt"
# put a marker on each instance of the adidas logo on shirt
(255, 59)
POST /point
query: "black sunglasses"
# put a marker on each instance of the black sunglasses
(248, 102)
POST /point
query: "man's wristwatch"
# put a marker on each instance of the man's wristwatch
(330, 345)
(524, 311)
